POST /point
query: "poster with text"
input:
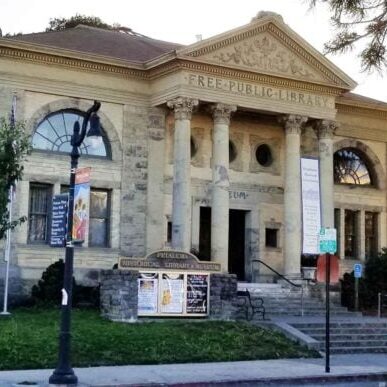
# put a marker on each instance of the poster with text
(81, 204)
(172, 293)
(58, 220)
(311, 216)
(197, 293)
(147, 293)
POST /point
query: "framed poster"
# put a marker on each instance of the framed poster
(197, 293)
(172, 293)
(148, 293)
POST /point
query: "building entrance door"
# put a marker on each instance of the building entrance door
(236, 243)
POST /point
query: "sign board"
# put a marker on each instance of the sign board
(173, 294)
(58, 220)
(81, 203)
(168, 260)
(328, 240)
(311, 219)
(357, 270)
(321, 269)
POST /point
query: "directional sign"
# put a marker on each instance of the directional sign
(358, 269)
(328, 243)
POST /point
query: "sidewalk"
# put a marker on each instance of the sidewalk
(262, 372)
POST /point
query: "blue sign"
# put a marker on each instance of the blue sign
(357, 269)
(328, 240)
(58, 220)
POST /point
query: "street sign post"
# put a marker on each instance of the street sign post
(328, 245)
(357, 271)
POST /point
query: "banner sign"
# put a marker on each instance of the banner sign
(58, 220)
(81, 204)
(311, 215)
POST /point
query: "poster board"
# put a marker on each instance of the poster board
(173, 294)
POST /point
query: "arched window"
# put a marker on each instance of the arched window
(350, 167)
(54, 134)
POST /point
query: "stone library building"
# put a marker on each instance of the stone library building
(201, 153)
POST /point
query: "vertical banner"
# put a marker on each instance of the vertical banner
(311, 215)
(58, 220)
(81, 204)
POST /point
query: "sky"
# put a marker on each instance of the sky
(179, 21)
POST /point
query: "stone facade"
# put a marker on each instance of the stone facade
(118, 294)
(221, 102)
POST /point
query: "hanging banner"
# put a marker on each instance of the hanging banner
(58, 220)
(81, 204)
(311, 214)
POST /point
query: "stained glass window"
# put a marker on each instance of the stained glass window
(351, 168)
(54, 134)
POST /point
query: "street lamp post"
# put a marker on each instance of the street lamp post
(64, 374)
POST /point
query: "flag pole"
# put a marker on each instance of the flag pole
(7, 256)
(7, 252)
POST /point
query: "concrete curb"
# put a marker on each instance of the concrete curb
(382, 376)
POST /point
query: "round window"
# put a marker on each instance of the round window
(232, 151)
(263, 155)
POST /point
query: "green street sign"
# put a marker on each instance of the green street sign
(328, 240)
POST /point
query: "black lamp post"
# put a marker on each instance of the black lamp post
(64, 374)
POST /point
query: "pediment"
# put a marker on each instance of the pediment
(269, 46)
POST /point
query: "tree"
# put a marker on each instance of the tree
(14, 147)
(60, 24)
(359, 20)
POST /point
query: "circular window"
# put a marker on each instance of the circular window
(263, 155)
(194, 148)
(232, 151)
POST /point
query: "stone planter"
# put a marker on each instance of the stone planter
(308, 273)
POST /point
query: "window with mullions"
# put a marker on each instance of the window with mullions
(351, 168)
(371, 234)
(54, 134)
(38, 217)
(99, 218)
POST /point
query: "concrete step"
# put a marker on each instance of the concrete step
(349, 325)
(355, 337)
(342, 350)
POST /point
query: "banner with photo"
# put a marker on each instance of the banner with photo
(311, 213)
(81, 204)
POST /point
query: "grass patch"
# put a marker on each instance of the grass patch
(29, 339)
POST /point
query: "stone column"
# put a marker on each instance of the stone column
(181, 201)
(325, 131)
(220, 184)
(292, 199)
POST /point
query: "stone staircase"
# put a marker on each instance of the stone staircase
(362, 335)
(285, 300)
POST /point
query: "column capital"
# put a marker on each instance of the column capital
(221, 112)
(326, 128)
(183, 107)
(292, 123)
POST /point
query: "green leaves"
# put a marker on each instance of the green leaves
(14, 147)
(356, 20)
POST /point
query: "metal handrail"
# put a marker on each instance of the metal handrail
(287, 280)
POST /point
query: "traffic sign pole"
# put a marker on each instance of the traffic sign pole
(327, 312)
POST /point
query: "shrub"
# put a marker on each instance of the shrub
(48, 291)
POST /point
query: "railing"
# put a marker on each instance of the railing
(382, 303)
(287, 280)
